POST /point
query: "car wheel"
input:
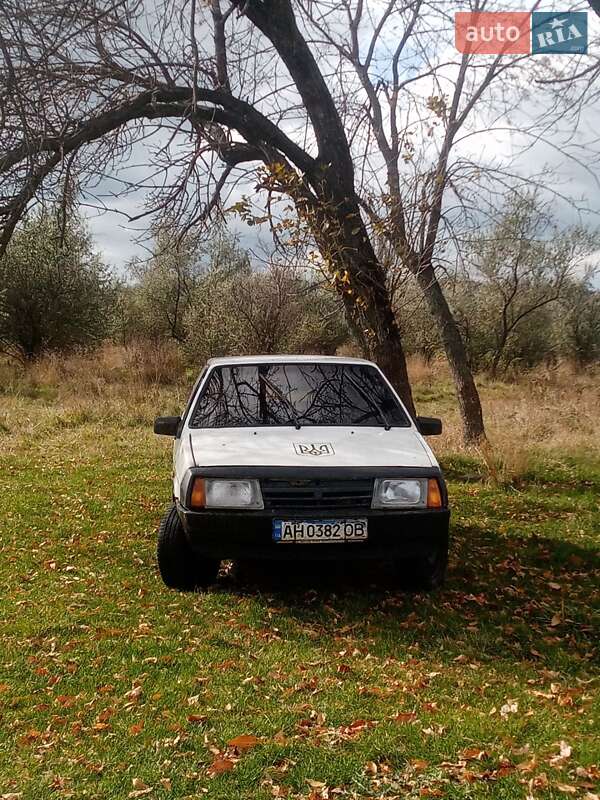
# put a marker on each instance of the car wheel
(179, 567)
(423, 573)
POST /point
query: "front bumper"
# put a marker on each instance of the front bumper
(248, 534)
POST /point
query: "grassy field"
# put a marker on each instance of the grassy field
(332, 685)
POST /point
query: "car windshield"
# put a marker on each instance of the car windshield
(298, 394)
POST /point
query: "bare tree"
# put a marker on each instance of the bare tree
(266, 311)
(85, 80)
(574, 88)
(260, 90)
(166, 283)
(417, 103)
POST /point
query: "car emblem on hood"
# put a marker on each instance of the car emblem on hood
(314, 449)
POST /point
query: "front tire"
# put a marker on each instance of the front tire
(423, 573)
(179, 566)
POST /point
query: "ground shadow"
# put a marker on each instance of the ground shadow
(536, 596)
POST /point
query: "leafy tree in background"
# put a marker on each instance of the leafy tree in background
(165, 285)
(525, 264)
(525, 297)
(56, 292)
(269, 311)
(580, 316)
(159, 302)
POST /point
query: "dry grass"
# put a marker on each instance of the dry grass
(126, 387)
(548, 414)
(544, 414)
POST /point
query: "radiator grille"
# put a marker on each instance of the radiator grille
(317, 494)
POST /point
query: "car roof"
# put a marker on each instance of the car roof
(284, 359)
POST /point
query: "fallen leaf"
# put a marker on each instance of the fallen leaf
(134, 694)
(474, 754)
(540, 781)
(220, 765)
(404, 716)
(140, 789)
(136, 728)
(565, 749)
(196, 719)
(65, 700)
(244, 742)
(527, 766)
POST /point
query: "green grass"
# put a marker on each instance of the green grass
(111, 685)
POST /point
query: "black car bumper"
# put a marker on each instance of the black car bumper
(249, 534)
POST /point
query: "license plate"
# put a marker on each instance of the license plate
(316, 531)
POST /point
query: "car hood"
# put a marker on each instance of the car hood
(310, 447)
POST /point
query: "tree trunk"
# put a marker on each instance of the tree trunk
(375, 329)
(500, 347)
(385, 348)
(336, 221)
(466, 390)
(496, 363)
(389, 355)
(344, 243)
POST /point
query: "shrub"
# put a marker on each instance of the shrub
(262, 312)
(56, 293)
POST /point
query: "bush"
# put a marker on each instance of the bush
(262, 312)
(158, 304)
(56, 293)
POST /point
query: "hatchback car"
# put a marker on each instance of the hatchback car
(301, 458)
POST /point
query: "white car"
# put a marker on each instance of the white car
(301, 457)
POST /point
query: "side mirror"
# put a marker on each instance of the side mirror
(429, 426)
(167, 426)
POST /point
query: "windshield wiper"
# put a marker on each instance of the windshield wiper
(282, 397)
(373, 403)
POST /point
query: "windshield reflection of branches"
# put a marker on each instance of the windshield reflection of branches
(293, 394)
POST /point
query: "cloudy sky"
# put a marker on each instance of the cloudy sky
(575, 179)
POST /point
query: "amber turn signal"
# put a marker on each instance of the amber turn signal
(198, 496)
(434, 495)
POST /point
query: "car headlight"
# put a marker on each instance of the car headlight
(406, 493)
(224, 493)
